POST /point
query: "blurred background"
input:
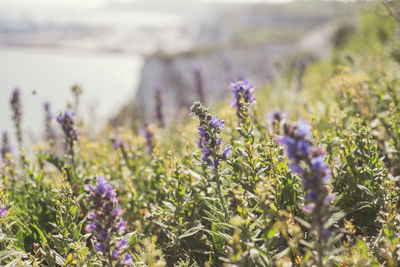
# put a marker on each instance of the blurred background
(118, 50)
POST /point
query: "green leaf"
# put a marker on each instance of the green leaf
(362, 247)
(191, 231)
(334, 218)
(303, 222)
(272, 231)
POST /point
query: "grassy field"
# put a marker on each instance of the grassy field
(302, 172)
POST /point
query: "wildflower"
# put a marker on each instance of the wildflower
(104, 220)
(209, 142)
(210, 128)
(5, 147)
(276, 118)
(227, 152)
(147, 133)
(77, 91)
(158, 97)
(227, 67)
(67, 123)
(49, 131)
(301, 66)
(16, 107)
(308, 162)
(127, 259)
(117, 142)
(199, 83)
(242, 99)
(3, 211)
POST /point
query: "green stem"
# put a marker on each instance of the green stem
(219, 192)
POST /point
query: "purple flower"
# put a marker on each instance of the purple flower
(296, 168)
(158, 99)
(206, 150)
(121, 225)
(216, 123)
(227, 152)
(202, 132)
(101, 189)
(90, 227)
(147, 133)
(88, 188)
(318, 163)
(242, 91)
(67, 123)
(304, 128)
(308, 208)
(242, 99)
(3, 211)
(123, 244)
(116, 253)
(127, 259)
(199, 82)
(117, 142)
(104, 219)
(313, 173)
(100, 247)
(117, 211)
(209, 140)
(329, 198)
(290, 146)
(16, 107)
(276, 117)
(5, 148)
(50, 133)
(303, 148)
(103, 236)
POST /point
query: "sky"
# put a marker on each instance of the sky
(97, 3)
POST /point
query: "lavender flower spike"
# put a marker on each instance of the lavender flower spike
(16, 107)
(6, 147)
(50, 134)
(67, 123)
(105, 222)
(209, 141)
(242, 98)
(158, 99)
(275, 119)
(308, 162)
(199, 83)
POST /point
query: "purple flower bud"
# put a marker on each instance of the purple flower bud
(123, 244)
(3, 211)
(116, 254)
(88, 188)
(308, 208)
(304, 128)
(318, 163)
(117, 211)
(216, 123)
(127, 259)
(104, 219)
(121, 225)
(117, 142)
(103, 236)
(100, 247)
(296, 168)
(202, 132)
(227, 152)
(90, 227)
